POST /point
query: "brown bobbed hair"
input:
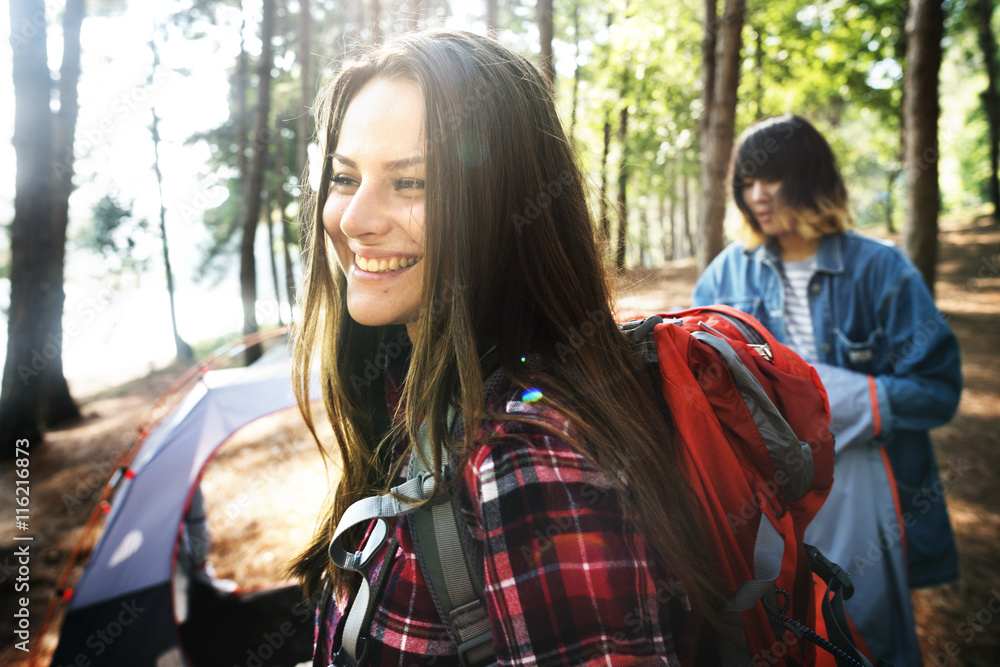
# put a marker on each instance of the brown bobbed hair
(512, 266)
(813, 196)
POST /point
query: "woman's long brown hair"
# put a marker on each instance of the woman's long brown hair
(511, 264)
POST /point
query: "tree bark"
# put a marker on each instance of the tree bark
(255, 183)
(605, 218)
(61, 407)
(719, 135)
(576, 72)
(991, 97)
(921, 110)
(685, 245)
(545, 34)
(622, 183)
(240, 91)
(23, 396)
(492, 17)
(184, 352)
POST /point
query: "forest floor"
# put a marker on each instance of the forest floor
(265, 487)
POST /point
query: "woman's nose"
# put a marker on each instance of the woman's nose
(758, 192)
(365, 213)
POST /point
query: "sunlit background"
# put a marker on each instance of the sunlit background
(122, 321)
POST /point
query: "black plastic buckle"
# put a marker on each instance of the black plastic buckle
(342, 659)
(828, 570)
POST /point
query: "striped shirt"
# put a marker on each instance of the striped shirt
(798, 320)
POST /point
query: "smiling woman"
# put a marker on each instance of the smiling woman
(451, 264)
(374, 213)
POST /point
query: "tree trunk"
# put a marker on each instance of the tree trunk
(255, 183)
(281, 204)
(707, 68)
(545, 34)
(576, 72)
(671, 232)
(23, 395)
(240, 91)
(685, 245)
(622, 185)
(758, 72)
(991, 97)
(184, 352)
(267, 218)
(305, 89)
(61, 407)
(719, 136)
(492, 17)
(924, 29)
(605, 218)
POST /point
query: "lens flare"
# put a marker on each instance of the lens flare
(531, 395)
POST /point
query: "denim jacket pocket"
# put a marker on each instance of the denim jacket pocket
(866, 356)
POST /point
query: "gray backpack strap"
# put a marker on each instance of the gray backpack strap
(452, 578)
(353, 649)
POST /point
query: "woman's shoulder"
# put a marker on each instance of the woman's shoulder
(526, 431)
(878, 254)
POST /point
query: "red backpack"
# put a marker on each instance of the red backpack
(752, 422)
(757, 452)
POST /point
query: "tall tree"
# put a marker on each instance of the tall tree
(184, 352)
(719, 127)
(255, 182)
(623, 174)
(921, 110)
(302, 136)
(545, 34)
(32, 376)
(61, 406)
(991, 96)
(492, 16)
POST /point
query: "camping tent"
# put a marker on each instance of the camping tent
(122, 610)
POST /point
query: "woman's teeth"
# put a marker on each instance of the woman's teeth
(384, 265)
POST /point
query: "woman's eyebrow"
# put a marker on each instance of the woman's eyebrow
(391, 165)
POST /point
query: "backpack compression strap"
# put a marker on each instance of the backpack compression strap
(451, 577)
(456, 591)
(408, 498)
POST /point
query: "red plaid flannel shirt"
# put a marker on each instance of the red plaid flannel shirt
(568, 580)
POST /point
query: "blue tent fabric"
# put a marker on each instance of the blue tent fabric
(132, 565)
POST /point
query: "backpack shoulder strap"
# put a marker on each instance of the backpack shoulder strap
(450, 575)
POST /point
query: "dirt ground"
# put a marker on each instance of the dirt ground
(264, 488)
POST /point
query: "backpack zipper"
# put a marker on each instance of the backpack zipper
(753, 338)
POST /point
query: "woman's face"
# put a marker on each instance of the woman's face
(375, 209)
(761, 197)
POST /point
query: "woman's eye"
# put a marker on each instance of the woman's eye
(343, 181)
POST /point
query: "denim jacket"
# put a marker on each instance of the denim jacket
(889, 361)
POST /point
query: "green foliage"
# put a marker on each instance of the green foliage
(116, 235)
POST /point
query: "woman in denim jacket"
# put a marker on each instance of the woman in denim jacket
(858, 310)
